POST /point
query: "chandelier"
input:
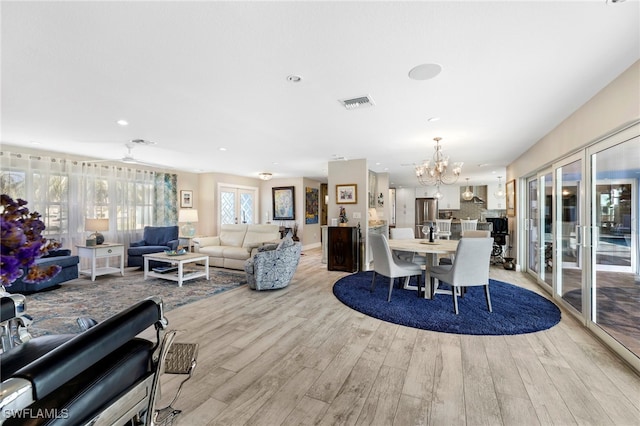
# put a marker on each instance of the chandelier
(438, 172)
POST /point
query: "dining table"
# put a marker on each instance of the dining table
(429, 249)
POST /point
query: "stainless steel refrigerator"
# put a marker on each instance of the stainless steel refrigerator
(426, 214)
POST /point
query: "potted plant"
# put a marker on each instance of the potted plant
(22, 243)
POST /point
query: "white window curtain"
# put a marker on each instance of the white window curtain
(66, 192)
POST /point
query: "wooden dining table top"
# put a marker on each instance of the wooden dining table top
(423, 246)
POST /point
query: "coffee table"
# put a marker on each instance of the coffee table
(180, 275)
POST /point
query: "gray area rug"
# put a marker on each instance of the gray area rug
(56, 311)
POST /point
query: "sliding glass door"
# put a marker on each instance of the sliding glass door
(569, 230)
(582, 245)
(539, 231)
(615, 283)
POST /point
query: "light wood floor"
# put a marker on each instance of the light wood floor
(298, 356)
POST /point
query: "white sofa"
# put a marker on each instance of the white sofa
(235, 243)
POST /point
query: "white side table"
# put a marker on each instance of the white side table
(189, 241)
(102, 251)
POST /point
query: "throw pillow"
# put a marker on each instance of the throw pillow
(267, 247)
(286, 242)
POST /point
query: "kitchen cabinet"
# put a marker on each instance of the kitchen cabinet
(450, 196)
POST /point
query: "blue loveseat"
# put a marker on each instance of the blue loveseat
(155, 239)
(60, 257)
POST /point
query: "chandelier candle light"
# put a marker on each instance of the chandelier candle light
(188, 217)
(439, 172)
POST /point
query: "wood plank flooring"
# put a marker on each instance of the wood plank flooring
(298, 356)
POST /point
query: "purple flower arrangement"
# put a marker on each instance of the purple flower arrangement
(22, 243)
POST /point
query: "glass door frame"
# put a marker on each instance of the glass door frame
(583, 234)
(588, 314)
(541, 206)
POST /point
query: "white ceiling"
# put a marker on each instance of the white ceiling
(195, 77)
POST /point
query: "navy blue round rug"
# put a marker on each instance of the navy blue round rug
(515, 309)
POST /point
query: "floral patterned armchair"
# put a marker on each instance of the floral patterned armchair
(273, 265)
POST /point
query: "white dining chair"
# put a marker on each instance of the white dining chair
(470, 268)
(406, 234)
(468, 224)
(385, 263)
(443, 228)
(466, 234)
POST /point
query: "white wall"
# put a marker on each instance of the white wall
(613, 107)
(618, 103)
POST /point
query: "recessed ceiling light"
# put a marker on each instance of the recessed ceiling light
(433, 118)
(122, 122)
(294, 78)
(222, 149)
(425, 71)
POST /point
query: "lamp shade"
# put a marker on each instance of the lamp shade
(188, 215)
(96, 225)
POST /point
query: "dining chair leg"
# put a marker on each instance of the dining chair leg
(486, 294)
(390, 289)
(373, 282)
(455, 299)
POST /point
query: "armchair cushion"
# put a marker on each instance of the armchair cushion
(160, 235)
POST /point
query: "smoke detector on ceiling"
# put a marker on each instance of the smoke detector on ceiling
(359, 102)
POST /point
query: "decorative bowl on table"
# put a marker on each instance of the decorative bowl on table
(175, 252)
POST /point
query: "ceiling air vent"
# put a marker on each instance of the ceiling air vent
(359, 102)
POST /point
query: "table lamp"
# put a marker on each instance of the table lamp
(96, 225)
(188, 217)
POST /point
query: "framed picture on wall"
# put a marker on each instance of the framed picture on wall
(511, 198)
(310, 206)
(284, 206)
(186, 199)
(347, 194)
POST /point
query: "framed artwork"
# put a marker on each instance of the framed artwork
(310, 205)
(186, 199)
(284, 206)
(511, 197)
(347, 194)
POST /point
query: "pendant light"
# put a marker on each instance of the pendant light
(500, 191)
(467, 195)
